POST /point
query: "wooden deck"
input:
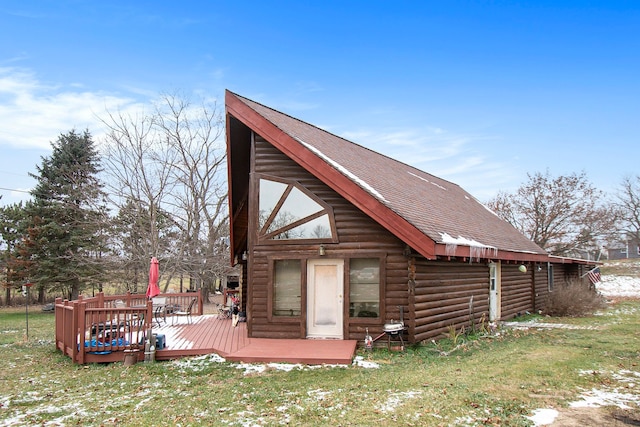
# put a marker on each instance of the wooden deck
(208, 334)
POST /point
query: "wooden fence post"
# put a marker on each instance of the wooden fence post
(58, 316)
(100, 303)
(77, 343)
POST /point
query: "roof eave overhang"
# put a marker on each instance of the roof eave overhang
(333, 178)
(567, 260)
(232, 252)
(443, 250)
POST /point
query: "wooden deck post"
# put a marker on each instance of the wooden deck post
(59, 319)
(100, 303)
(77, 350)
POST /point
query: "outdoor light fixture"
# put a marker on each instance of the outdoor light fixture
(523, 268)
(245, 256)
(407, 251)
(321, 251)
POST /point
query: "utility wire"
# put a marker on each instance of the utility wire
(13, 189)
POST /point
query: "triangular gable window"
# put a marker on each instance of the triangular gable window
(287, 211)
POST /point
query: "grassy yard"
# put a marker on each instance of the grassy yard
(492, 380)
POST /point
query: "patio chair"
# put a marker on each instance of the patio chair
(159, 309)
(224, 311)
(186, 312)
(228, 310)
(130, 319)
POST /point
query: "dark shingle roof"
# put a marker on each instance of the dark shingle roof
(440, 209)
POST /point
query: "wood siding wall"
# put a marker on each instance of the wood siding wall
(517, 296)
(358, 237)
(448, 294)
(541, 286)
(434, 295)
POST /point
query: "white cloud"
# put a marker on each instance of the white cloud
(32, 113)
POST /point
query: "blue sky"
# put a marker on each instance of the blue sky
(477, 92)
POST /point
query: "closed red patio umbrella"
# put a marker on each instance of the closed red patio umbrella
(154, 273)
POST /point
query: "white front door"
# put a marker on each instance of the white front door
(494, 291)
(325, 285)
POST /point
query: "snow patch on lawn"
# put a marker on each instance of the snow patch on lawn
(394, 400)
(250, 368)
(623, 393)
(359, 361)
(543, 417)
(619, 286)
(595, 398)
(200, 363)
(73, 409)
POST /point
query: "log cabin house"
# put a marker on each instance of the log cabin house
(335, 239)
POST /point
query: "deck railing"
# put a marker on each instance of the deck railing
(96, 329)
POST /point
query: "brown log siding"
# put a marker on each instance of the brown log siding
(442, 297)
(358, 237)
(517, 292)
(541, 286)
(443, 293)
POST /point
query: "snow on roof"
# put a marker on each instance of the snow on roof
(344, 171)
(450, 240)
(478, 250)
(426, 180)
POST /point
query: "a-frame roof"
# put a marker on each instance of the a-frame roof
(433, 216)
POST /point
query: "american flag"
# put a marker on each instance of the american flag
(594, 275)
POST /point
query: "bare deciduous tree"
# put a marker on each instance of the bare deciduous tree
(138, 164)
(170, 167)
(629, 205)
(195, 136)
(564, 215)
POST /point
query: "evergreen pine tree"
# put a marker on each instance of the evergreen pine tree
(14, 232)
(69, 217)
